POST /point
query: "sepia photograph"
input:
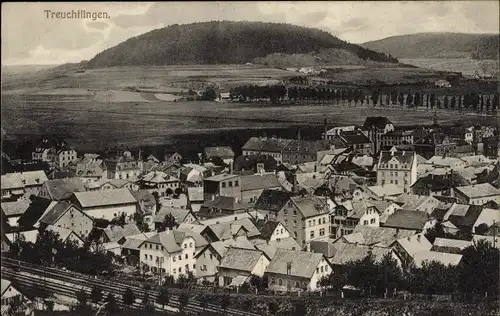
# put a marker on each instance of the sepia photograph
(279, 158)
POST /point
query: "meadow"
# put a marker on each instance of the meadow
(466, 66)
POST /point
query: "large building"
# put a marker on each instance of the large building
(54, 151)
(292, 151)
(435, 144)
(397, 167)
(375, 127)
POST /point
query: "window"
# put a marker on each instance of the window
(314, 222)
(146, 257)
(211, 256)
(180, 270)
(395, 181)
(326, 268)
(311, 234)
(173, 259)
(150, 246)
(372, 221)
(180, 257)
(396, 173)
(280, 281)
(365, 222)
(223, 184)
(295, 234)
(322, 232)
(187, 267)
(285, 212)
(236, 183)
(317, 269)
(294, 212)
(157, 248)
(204, 267)
(186, 256)
(273, 280)
(294, 223)
(324, 219)
(309, 223)
(194, 266)
(190, 245)
(290, 204)
(390, 173)
(230, 184)
(321, 269)
(151, 257)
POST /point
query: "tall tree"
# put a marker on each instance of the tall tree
(128, 297)
(163, 296)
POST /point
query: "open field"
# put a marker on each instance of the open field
(92, 125)
(466, 66)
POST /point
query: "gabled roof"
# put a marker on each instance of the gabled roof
(116, 232)
(64, 233)
(267, 228)
(403, 157)
(172, 239)
(226, 230)
(35, 210)
(354, 137)
(158, 177)
(16, 208)
(414, 244)
(220, 247)
(375, 121)
(445, 258)
(259, 182)
(104, 198)
(272, 200)
(253, 144)
(478, 190)
(270, 247)
(388, 189)
(5, 285)
(348, 252)
(145, 197)
(60, 189)
(488, 216)
(23, 179)
(310, 205)
(178, 213)
(240, 259)
(413, 220)
(51, 217)
(219, 151)
(302, 264)
(359, 208)
(467, 219)
(380, 236)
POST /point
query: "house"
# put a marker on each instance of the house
(173, 158)
(239, 264)
(409, 220)
(293, 271)
(397, 138)
(397, 167)
(348, 215)
(171, 252)
(412, 202)
(37, 208)
(435, 143)
(438, 184)
(11, 294)
(350, 252)
(386, 208)
(487, 218)
(254, 164)
(130, 247)
(357, 141)
(61, 189)
(246, 188)
(195, 198)
(406, 248)
(208, 259)
(272, 230)
(300, 151)
(89, 169)
(180, 215)
(116, 233)
(265, 146)
(270, 247)
(376, 236)
(21, 185)
(331, 133)
(375, 127)
(477, 194)
(388, 191)
(67, 216)
(111, 184)
(106, 204)
(54, 151)
(230, 229)
(447, 259)
(66, 235)
(146, 205)
(12, 211)
(160, 182)
(193, 174)
(221, 206)
(223, 152)
(463, 217)
(450, 245)
(122, 167)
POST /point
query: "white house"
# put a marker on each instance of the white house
(239, 264)
(158, 181)
(21, 185)
(10, 293)
(397, 167)
(171, 252)
(291, 270)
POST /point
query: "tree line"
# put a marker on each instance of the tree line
(298, 94)
(477, 275)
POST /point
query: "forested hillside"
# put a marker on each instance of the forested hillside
(223, 43)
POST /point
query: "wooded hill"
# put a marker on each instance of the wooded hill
(438, 45)
(224, 42)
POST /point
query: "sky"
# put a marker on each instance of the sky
(33, 35)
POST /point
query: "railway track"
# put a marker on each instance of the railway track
(87, 283)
